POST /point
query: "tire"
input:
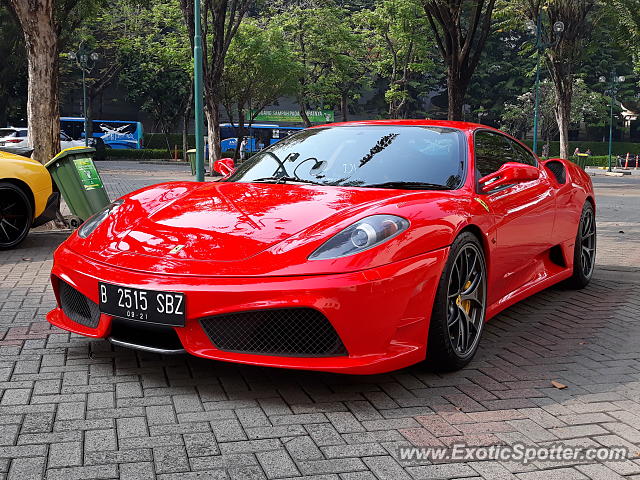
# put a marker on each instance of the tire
(459, 309)
(16, 215)
(584, 252)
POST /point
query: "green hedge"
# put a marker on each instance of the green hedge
(603, 161)
(142, 154)
(597, 148)
(158, 140)
(598, 161)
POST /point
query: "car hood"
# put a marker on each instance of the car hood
(225, 222)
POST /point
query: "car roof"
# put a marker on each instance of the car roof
(467, 126)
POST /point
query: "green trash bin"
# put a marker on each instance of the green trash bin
(191, 155)
(582, 160)
(78, 181)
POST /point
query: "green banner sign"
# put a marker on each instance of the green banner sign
(315, 116)
(88, 174)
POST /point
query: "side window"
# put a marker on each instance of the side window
(492, 151)
(522, 155)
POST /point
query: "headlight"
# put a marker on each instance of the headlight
(360, 236)
(94, 221)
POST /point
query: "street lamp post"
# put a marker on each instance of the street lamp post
(197, 91)
(85, 60)
(558, 28)
(613, 89)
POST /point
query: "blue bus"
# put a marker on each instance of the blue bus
(260, 135)
(119, 134)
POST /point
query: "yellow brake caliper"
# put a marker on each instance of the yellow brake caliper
(464, 304)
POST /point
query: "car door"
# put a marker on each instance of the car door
(524, 214)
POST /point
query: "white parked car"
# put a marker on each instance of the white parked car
(15, 140)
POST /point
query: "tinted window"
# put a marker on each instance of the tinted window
(523, 155)
(363, 156)
(492, 150)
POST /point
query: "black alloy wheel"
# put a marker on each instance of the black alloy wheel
(584, 253)
(16, 215)
(460, 306)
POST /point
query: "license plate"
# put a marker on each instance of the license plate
(162, 308)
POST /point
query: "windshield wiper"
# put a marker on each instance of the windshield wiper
(285, 179)
(409, 185)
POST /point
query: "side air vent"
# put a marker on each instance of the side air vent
(78, 307)
(558, 170)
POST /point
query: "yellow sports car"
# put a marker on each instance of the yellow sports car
(27, 198)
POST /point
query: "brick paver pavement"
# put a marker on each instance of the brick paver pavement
(72, 407)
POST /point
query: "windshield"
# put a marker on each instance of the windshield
(363, 156)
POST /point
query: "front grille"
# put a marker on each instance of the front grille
(78, 307)
(292, 332)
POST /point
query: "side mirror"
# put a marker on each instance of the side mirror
(509, 173)
(224, 166)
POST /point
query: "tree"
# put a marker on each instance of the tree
(589, 107)
(629, 11)
(42, 23)
(461, 28)
(328, 52)
(400, 52)
(221, 21)
(564, 49)
(156, 70)
(505, 70)
(349, 68)
(259, 69)
(40, 32)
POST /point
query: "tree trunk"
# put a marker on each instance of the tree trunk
(456, 90)
(303, 113)
(344, 106)
(563, 116)
(564, 93)
(212, 112)
(41, 41)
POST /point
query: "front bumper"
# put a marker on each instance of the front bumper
(381, 315)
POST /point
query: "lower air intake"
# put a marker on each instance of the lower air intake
(301, 332)
(78, 307)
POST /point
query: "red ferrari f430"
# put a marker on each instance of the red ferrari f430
(358, 247)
